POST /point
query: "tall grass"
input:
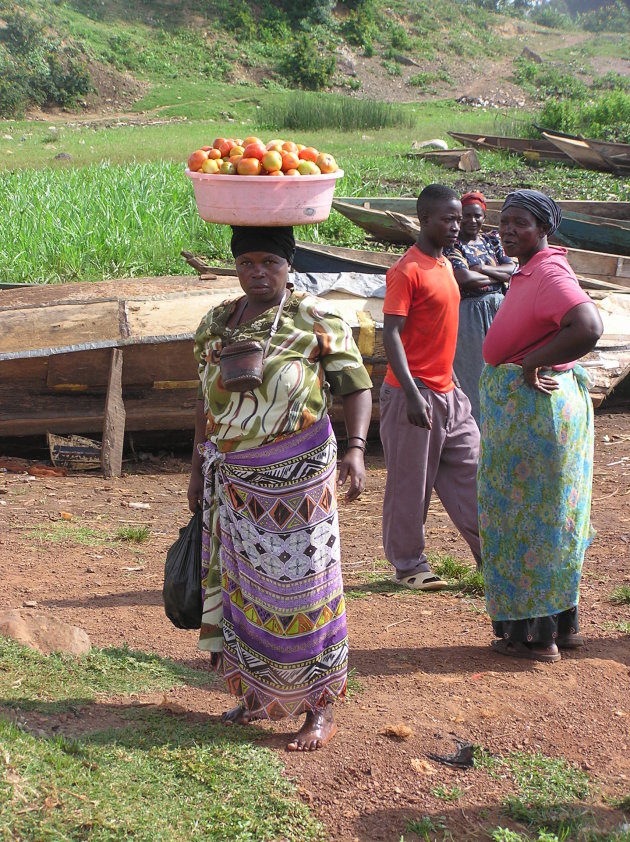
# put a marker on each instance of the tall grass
(313, 112)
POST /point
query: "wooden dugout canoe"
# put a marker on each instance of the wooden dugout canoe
(60, 344)
(531, 149)
(591, 154)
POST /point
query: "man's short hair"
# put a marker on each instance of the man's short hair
(432, 195)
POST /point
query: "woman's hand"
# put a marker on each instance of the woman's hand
(353, 466)
(540, 382)
(195, 491)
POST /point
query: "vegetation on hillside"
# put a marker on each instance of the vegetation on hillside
(278, 44)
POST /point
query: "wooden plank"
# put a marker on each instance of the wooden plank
(114, 422)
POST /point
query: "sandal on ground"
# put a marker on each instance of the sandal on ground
(570, 641)
(425, 581)
(516, 649)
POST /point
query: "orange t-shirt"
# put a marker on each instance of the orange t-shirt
(424, 289)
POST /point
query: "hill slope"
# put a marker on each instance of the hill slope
(402, 50)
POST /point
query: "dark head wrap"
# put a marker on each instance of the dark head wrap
(275, 240)
(542, 207)
(474, 198)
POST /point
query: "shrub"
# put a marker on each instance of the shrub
(358, 28)
(612, 18)
(551, 18)
(606, 117)
(307, 67)
(546, 81)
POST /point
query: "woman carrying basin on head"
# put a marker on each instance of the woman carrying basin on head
(482, 269)
(264, 472)
(536, 458)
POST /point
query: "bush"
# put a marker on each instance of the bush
(313, 112)
(551, 18)
(546, 81)
(37, 70)
(612, 18)
(607, 117)
(307, 67)
(358, 28)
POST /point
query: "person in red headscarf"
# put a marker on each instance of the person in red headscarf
(482, 270)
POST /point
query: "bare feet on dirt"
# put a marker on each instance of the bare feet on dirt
(319, 728)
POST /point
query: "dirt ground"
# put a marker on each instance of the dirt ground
(422, 660)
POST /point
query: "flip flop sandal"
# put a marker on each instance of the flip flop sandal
(570, 641)
(425, 581)
(516, 649)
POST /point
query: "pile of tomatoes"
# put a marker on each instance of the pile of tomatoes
(232, 156)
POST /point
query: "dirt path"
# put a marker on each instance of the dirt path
(419, 660)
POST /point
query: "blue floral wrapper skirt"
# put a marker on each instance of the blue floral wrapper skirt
(534, 485)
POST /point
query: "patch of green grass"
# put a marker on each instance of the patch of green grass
(30, 679)
(354, 685)
(161, 779)
(67, 532)
(314, 112)
(622, 627)
(134, 534)
(447, 794)
(461, 576)
(621, 595)
(551, 793)
(426, 826)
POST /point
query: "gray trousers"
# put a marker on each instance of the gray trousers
(419, 460)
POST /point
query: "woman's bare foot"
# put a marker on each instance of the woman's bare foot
(319, 728)
(236, 716)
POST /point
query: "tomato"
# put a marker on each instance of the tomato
(326, 162)
(290, 161)
(225, 147)
(291, 172)
(236, 150)
(272, 161)
(309, 153)
(289, 146)
(210, 165)
(249, 166)
(251, 139)
(308, 168)
(227, 168)
(218, 141)
(196, 160)
(254, 150)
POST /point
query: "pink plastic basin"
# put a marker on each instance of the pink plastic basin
(263, 199)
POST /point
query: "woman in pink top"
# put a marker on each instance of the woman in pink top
(536, 459)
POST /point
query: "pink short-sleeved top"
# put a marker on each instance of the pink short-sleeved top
(541, 293)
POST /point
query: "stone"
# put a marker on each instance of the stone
(43, 632)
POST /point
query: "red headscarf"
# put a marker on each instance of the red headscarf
(474, 198)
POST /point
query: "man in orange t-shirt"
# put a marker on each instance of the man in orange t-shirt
(430, 439)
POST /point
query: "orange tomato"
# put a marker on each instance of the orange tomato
(290, 161)
(196, 160)
(308, 168)
(326, 162)
(236, 150)
(309, 153)
(291, 172)
(300, 147)
(206, 148)
(275, 172)
(218, 141)
(289, 146)
(249, 166)
(214, 153)
(252, 139)
(234, 159)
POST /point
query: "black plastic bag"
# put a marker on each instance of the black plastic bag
(182, 577)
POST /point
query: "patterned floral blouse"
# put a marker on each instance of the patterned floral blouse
(311, 357)
(485, 251)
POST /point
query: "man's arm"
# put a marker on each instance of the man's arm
(418, 410)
